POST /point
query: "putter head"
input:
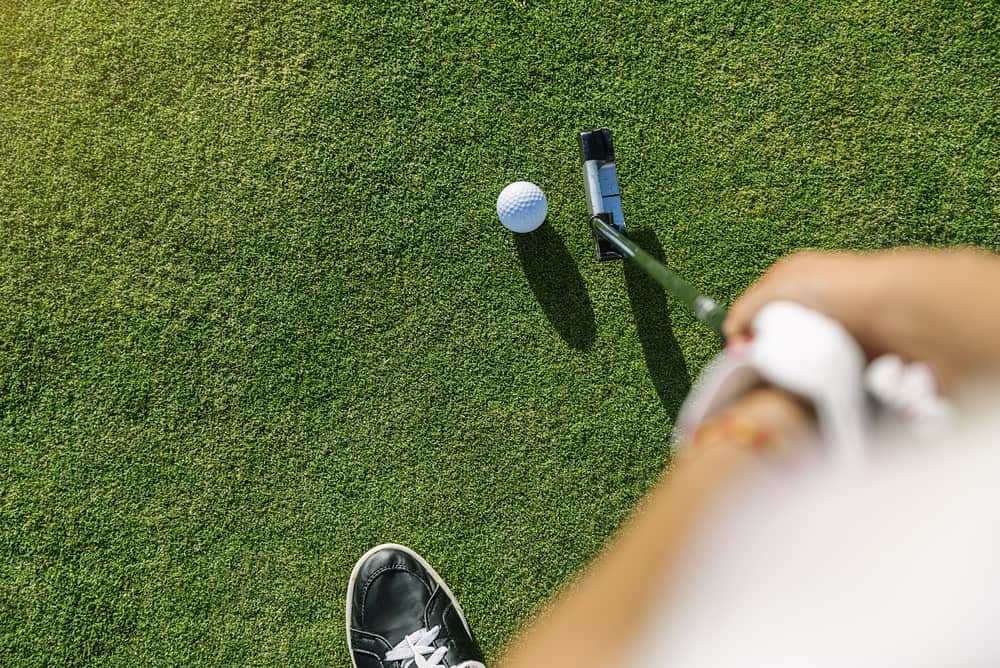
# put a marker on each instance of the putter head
(600, 181)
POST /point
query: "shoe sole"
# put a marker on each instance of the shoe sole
(423, 562)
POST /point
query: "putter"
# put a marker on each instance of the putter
(604, 201)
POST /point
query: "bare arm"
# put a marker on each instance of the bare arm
(940, 307)
(588, 622)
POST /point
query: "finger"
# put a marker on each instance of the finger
(735, 326)
(780, 281)
(739, 322)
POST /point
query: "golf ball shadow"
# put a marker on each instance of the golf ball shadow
(557, 285)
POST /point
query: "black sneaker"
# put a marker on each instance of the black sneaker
(401, 614)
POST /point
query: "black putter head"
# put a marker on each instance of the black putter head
(600, 181)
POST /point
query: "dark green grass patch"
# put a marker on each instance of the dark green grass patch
(257, 315)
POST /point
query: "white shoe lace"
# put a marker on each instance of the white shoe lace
(413, 649)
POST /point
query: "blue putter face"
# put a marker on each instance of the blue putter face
(600, 181)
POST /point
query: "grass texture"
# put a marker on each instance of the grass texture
(257, 314)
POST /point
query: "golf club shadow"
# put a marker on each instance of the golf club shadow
(664, 358)
(557, 285)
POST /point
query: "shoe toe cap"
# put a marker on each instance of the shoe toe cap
(390, 593)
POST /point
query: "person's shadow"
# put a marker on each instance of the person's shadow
(664, 358)
(557, 285)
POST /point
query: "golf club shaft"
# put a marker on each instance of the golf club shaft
(705, 309)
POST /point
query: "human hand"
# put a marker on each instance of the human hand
(842, 286)
(920, 304)
(766, 419)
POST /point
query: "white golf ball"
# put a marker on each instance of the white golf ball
(522, 206)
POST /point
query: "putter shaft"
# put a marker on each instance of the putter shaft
(705, 309)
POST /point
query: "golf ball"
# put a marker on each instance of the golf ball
(521, 206)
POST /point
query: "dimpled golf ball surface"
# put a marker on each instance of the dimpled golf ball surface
(522, 207)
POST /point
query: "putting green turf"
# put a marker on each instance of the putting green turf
(257, 314)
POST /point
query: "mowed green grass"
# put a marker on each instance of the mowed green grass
(257, 314)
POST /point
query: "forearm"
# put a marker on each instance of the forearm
(600, 610)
